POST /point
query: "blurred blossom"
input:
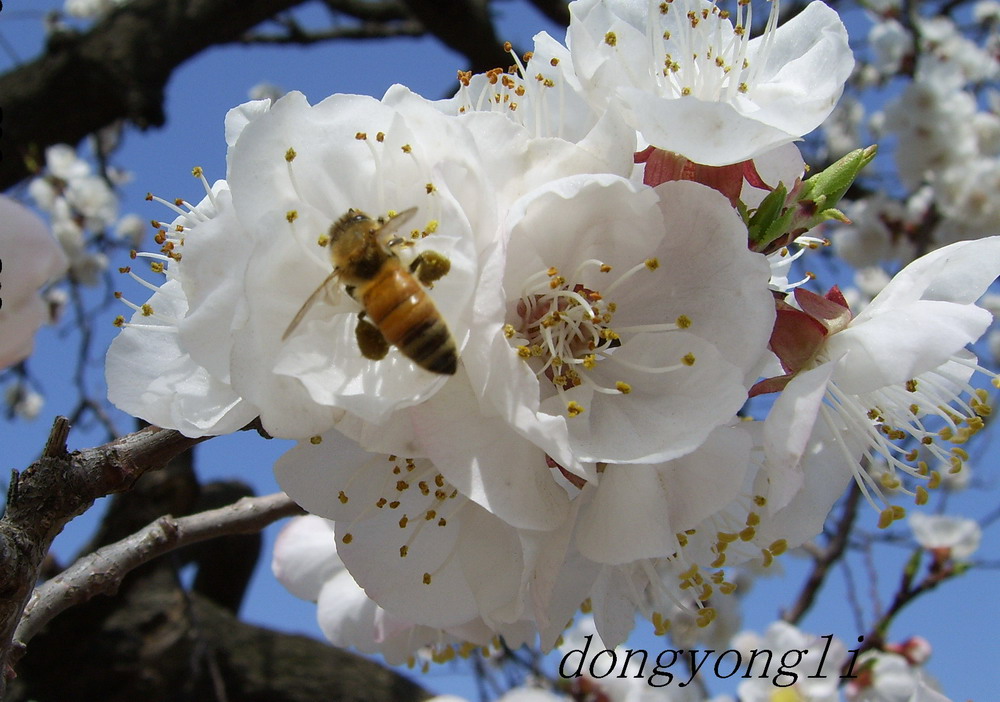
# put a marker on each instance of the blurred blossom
(132, 228)
(794, 673)
(30, 258)
(986, 11)
(916, 650)
(23, 401)
(993, 341)
(871, 280)
(934, 124)
(91, 9)
(889, 677)
(891, 43)
(77, 201)
(952, 56)
(968, 196)
(987, 126)
(959, 537)
(955, 480)
(869, 240)
(842, 130)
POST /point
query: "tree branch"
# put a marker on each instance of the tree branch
(102, 571)
(298, 36)
(115, 71)
(555, 10)
(369, 10)
(53, 490)
(466, 27)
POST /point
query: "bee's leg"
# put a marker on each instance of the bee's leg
(349, 289)
(430, 266)
(370, 340)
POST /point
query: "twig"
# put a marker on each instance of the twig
(53, 490)
(941, 569)
(102, 571)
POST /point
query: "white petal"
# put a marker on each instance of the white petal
(958, 273)
(788, 430)
(903, 341)
(305, 556)
(637, 510)
(489, 462)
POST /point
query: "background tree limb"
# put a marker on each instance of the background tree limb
(53, 490)
(115, 71)
(119, 68)
(103, 570)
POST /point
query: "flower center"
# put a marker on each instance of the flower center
(704, 54)
(563, 329)
(521, 92)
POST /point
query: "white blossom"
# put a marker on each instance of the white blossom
(723, 98)
(892, 43)
(897, 370)
(959, 537)
(804, 663)
(891, 678)
(30, 259)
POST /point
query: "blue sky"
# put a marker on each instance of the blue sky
(960, 620)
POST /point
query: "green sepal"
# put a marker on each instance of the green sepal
(834, 181)
(763, 221)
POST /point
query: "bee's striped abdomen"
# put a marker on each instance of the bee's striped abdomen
(406, 315)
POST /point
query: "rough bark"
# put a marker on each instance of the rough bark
(119, 68)
(158, 643)
(53, 490)
(115, 71)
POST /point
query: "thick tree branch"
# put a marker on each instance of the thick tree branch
(298, 36)
(555, 10)
(466, 27)
(369, 10)
(102, 571)
(115, 71)
(118, 69)
(53, 490)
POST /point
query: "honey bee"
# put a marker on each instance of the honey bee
(395, 307)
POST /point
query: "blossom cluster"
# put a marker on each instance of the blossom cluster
(944, 118)
(82, 205)
(514, 331)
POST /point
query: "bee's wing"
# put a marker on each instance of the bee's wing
(307, 305)
(392, 226)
